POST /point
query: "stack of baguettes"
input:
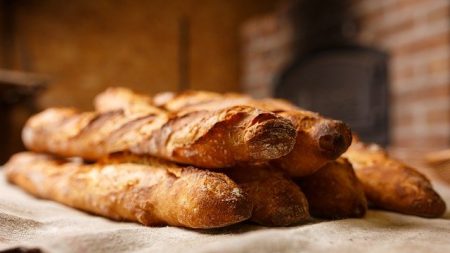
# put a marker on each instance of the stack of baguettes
(205, 160)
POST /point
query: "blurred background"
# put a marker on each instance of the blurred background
(383, 66)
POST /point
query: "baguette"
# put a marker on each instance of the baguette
(118, 98)
(334, 192)
(277, 200)
(155, 193)
(318, 140)
(210, 139)
(392, 185)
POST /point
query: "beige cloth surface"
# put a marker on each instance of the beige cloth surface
(31, 223)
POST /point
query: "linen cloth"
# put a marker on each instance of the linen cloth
(32, 223)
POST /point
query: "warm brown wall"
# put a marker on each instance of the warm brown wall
(85, 46)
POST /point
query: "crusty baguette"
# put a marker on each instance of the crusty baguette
(277, 200)
(176, 102)
(392, 185)
(318, 141)
(211, 139)
(334, 192)
(118, 98)
(194, 100)
(154, 193)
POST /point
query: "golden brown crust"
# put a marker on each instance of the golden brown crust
(222, 138)
(391, 185)
(152, 193)
(118, 98)
(277, 200)
(212, 139)
(175, 102)
(319, 139)
(334, 192)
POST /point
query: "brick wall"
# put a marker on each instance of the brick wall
(267, 47)
(415, 33)
(417, 36)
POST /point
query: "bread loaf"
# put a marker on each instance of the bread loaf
(334, 192)
(318, 140)
(211, 139)
(118, 98)
(153, 193)
(277, 200)
(392, 185)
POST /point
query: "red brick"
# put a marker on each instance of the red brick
(424, 44)
(260, 26)
(434, 141)
(426, 93)
(417, 5)
(407, 24)
(404, 119)
(439, 65)
(402, 74)
(438, 14)
(438, 116)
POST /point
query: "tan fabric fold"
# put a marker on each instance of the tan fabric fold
(32, 223)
